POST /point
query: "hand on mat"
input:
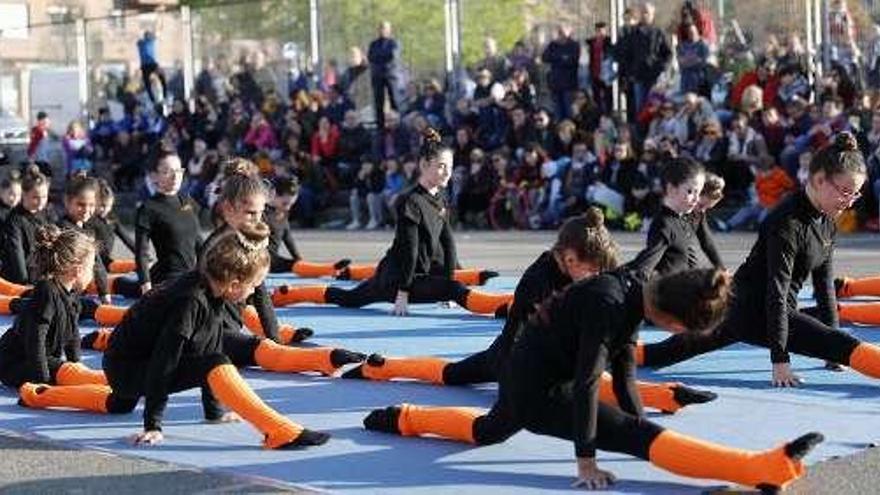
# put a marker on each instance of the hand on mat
(590, 476)
(227, 417)
(107, 299)
(151, 437)
(400, 304)
(446, 304)
(146, 288)
(784, 377)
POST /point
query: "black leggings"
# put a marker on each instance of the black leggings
(240, 348)
(128, 381)
(525, 403)
(280, 264)
(127, 287)
(484, 366)
(807, 336)
(424, 289)
(14, 372)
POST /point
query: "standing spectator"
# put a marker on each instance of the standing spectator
(384, 57)
(77, 149)
(38, 147)
(351, 81)
(643, 54)
(211, 83)
(562, 55)
(693, 55)
(146, 47)
(701, 18)
(496, 63)
(600, 51)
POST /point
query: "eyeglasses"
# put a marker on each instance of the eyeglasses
(848, 196)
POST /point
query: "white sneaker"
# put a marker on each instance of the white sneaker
(354, 225)
(372, 225)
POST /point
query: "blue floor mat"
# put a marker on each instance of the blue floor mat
(748, 414)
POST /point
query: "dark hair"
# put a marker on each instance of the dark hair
(237, 254)
(41, 115)
(432, 145)
(32, 178)
(286, 186)
(842, 156)
(80, 184)
(162, 156)
(11, 178)
(588, 238)
(713, 187)
(58, 249)
(696, 298)
(679, 170)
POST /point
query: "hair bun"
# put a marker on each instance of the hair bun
(46, 236)
(845, 141)
(594, 217)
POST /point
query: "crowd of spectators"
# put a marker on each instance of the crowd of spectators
(534, 132)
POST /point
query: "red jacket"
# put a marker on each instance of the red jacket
(770, 87)
(326, 148)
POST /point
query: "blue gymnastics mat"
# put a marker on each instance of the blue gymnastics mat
(748, 414)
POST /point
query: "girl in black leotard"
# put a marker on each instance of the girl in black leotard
(420, 263)
(572, 338)
(583, 247)
(795, 241)
(172, 340)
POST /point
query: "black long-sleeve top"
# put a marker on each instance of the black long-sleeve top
(707, 241)
(280, 233)
(106, 231)
(177, 321)
(423, 242)
(172, 223)
(100, 271)
(19, 233)
(673, 245)
(796, 240)
(576, 334)
(261, 300)
(46, 327)
(5, 210)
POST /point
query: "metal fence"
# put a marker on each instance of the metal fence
(290, 37)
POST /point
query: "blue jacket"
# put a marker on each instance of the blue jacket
(383, 55)
(147, 50)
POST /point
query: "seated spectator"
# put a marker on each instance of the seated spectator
(103, 133)
(712, 147)
(127, 158)
(520, 131)
(368, 185)
(78, 149)
(353, 148)
(325, 150)
(562, 140)
(772, 184)
(792, 84)
(666, 123)
(764, 77)
(462, 147)
(432, 104)
(337, 104)
(478, 187)
(746, 150)
(395, 181)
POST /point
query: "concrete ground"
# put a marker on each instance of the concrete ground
(31, 464)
